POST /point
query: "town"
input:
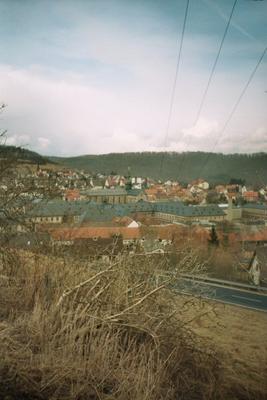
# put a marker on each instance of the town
(92, 214)
(133, 200)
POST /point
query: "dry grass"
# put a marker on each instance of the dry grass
(240, 337)
(94, 331)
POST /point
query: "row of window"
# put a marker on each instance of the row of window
(177, 218)
(48, 219)
(109, 199)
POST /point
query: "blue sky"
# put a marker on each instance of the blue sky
(96, 76)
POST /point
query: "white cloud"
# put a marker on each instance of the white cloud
(43, 142)
(203, 128)
(64, 112)
(17, 140)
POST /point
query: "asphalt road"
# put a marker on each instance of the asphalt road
(224, 294)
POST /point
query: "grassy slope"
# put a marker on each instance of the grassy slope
(181, 166)
(240, 336)
(115, 338)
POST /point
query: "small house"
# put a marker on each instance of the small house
(258, 266)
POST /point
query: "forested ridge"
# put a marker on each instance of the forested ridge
(21, 154)
(215, 167)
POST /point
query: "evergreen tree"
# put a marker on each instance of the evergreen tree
(213, 239)
(128, 184)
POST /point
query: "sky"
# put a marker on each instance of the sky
(96, 76)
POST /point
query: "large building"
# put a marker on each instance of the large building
(109, 196)
(88, 211)
(258, 211)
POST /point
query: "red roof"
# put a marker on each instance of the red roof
(251, 194)
(123, 221)
(72, 194)
(92, 232)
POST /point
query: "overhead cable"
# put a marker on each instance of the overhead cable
(219, 136)
(175, 82)
(203, 99)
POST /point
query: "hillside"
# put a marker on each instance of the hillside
(214, 167)
(22, 155)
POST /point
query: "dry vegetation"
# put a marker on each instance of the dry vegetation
(240, 337)
(73, 330)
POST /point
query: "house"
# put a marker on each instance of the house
(115, 180)
(56, 212)
(195, 189)
(155, 246)
(133, 224)
(95, 233)
(92, 213)
(71, 195)
(255, 210)
(233, 212)
(199, 183)
(137, 182)
(176, 212)
(202, 184)
(233, 188)
(243, 190)
(251, 196)
(221, 189)
(156, 192)
(134, 195)
(258, 266)
(174, 192)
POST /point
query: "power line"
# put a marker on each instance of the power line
(211, 76)
(215, 64)
(234, 108)
(175, 81)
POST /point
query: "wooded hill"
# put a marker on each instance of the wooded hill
(22, 155)
(184, 167)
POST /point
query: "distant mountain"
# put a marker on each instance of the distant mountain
(22, 155)
(184, 167)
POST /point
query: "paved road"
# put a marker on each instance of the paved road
(224, 294)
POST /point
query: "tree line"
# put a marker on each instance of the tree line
(184, 167)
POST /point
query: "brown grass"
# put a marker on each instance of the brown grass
(73, 330)
(240, 337)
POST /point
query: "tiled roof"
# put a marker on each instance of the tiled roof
(72, 194)
(58, 208)
(90, 211)
(105, 192)
(251, 193)
(256, 206)
(95, 232)
(177, 208)
(123, 221)
(134, 192)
